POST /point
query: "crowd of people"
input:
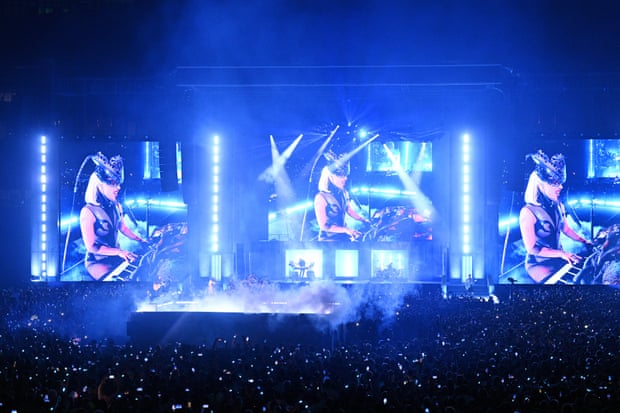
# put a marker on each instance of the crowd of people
(65, 349)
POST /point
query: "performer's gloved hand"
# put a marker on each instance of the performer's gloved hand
(127, 255)
(354, 234)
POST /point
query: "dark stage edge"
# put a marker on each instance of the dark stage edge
(230, 329)
(226, 330)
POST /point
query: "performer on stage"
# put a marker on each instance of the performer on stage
(543, 218)
(332, 203)
(101, 218)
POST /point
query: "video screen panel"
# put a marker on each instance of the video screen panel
(340, 198)
(603, 159)
(304, 264)
(576, 243)
(364, 199)
(122, 215)
(346, 264)
(389, 265)
(393, 156)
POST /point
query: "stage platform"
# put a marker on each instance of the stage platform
(315, 315)
(219, 330)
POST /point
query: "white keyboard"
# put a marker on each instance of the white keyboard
(123, 272)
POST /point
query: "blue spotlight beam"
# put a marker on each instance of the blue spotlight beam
(347, 156)
(278, 160)
(419, 200)
(321, 150)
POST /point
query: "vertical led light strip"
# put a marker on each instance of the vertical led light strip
(43, 211)
(466, 193)
(466, 239)
(215, 195)
(590, 158)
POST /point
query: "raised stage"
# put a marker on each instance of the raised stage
(316, 314)
(233, 329)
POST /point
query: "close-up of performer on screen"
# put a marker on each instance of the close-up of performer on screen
(102, 219)
(333, 203)
(543, 219)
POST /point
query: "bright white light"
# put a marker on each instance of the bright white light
(215, 189)
(43, 206)
(299, 207)
(615, 204)
(466, 192)
(390, 191)
(508, 222)
(66, 222)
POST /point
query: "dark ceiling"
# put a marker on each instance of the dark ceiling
(124, 67)
(148, 37)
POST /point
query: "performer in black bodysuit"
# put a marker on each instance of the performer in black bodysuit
(101, 219)
(332, 203)
(543, 218)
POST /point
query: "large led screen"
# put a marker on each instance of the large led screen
(357, 197)
(559, 215)
(122, 215)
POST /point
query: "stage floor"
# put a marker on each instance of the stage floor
(220, 330)
(319, 314)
